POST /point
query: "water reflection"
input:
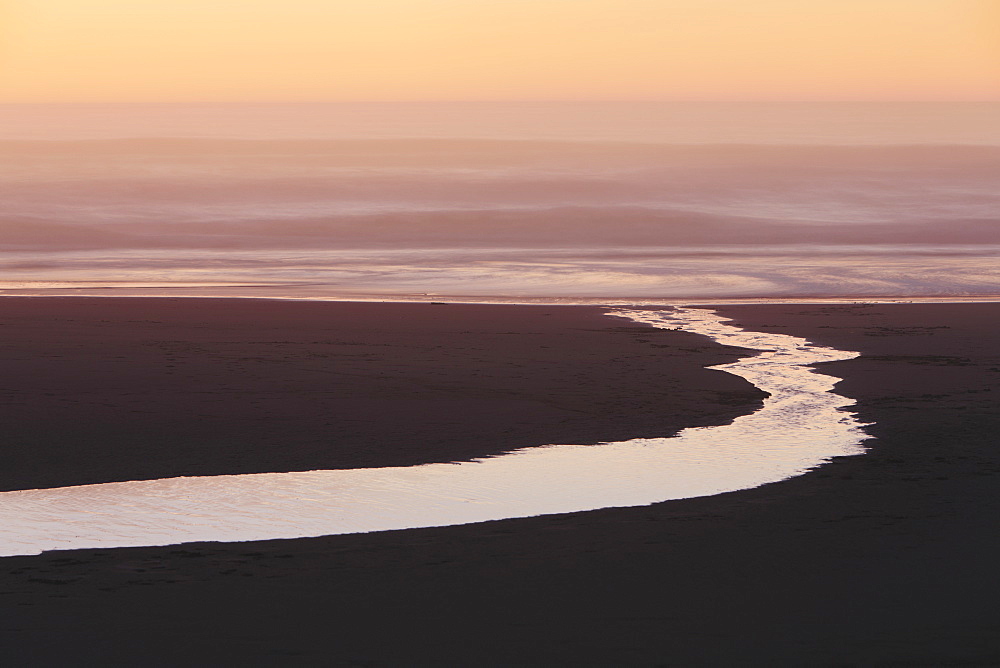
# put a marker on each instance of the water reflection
(632, 274)
(800, 426)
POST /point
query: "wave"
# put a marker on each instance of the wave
(566, 227)
(189, 210)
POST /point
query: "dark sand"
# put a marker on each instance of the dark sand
(102, 390)
(885, 559)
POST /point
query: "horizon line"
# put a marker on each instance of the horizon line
(521, 101)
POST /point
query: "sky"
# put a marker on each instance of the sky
(290, 50)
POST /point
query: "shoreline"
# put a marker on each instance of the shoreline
(884, 559)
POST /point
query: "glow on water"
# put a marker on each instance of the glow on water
(800, 426)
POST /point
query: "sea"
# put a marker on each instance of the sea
(550, 202)
(609, 203)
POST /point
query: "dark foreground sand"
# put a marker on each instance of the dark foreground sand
(100, 390)
(885, 559)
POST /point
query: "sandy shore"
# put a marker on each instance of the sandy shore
(885, 559)
(102, 390)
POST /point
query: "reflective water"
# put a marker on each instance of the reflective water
(800, 426)
(632, 275)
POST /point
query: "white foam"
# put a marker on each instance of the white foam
(800, 426)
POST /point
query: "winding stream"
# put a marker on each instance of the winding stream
(800, 426)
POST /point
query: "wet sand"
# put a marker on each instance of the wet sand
(104, 390)
(884, 559)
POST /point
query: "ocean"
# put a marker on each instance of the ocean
(586, 202)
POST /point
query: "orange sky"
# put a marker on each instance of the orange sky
(180, 50)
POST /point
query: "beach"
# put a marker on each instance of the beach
(881, 559)
(155, 388)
